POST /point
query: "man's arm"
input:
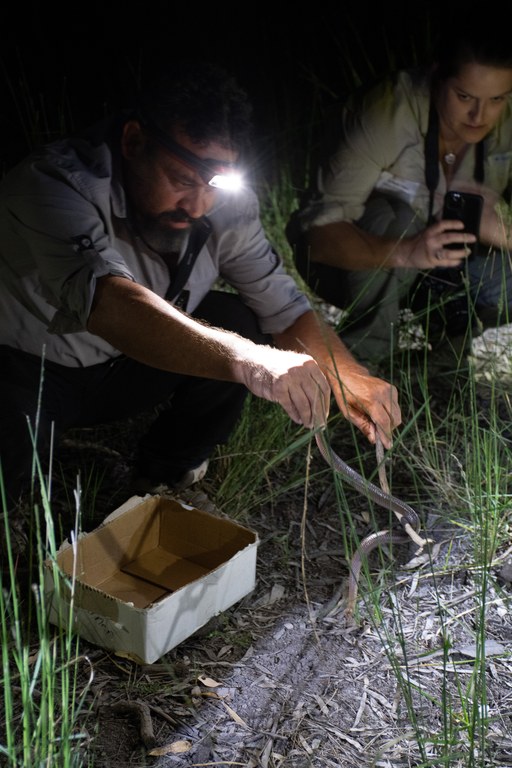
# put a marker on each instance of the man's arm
(371, 404)
(147, 328)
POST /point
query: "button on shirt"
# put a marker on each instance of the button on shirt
(63, 225)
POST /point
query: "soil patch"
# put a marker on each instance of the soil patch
(283, 678)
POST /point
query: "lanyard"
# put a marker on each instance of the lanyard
(198, 236)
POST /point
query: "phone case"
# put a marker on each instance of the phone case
(465, 206)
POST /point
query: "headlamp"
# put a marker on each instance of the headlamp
(212, 172)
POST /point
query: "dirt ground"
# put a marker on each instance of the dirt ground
(285, 679)
(277, 681)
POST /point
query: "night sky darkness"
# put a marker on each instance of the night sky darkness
(70, 64)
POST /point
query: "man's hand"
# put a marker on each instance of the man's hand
(371, 404)
(157, 334)
(291, 379)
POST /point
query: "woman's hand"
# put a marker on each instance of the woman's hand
(429, 250)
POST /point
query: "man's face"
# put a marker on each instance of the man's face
(167, 194)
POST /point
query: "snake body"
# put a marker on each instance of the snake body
(406, 514)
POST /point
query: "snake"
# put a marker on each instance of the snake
(407, 516)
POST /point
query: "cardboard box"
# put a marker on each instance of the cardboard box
(154, 572)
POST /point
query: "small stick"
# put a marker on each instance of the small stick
(143, 715)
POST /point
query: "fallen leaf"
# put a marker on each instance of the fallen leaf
(208, 681)
(176, 748)
(224, 650)
(422, 559)
(234, 715)
(491, 648)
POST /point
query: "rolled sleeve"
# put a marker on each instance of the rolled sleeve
(62, 244)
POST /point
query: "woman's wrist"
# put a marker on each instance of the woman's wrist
(402, 253)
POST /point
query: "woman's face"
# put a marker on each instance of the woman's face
(470, 104)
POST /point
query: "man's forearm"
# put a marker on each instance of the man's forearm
(147, 328)
(310, 335)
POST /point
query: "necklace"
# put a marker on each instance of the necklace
(450, 158)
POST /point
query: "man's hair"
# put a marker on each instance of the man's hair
(472, 36)
(201, 99)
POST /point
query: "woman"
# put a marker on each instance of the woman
(373, 226)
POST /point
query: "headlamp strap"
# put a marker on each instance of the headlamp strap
(207, 169)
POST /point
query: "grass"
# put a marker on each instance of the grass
(451, 463)
(462, 468)
(43, 705)
(444, 459)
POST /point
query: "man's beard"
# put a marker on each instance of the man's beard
(159, 236)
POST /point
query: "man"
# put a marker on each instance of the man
(110, 245)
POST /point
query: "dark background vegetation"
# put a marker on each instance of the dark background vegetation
(63, 66)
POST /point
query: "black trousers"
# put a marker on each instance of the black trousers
(195, 414)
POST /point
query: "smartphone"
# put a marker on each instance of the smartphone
(467, 207)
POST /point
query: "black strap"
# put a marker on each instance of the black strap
(432, 158)
(198, 236)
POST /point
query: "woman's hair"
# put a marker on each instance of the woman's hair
(481, 37)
